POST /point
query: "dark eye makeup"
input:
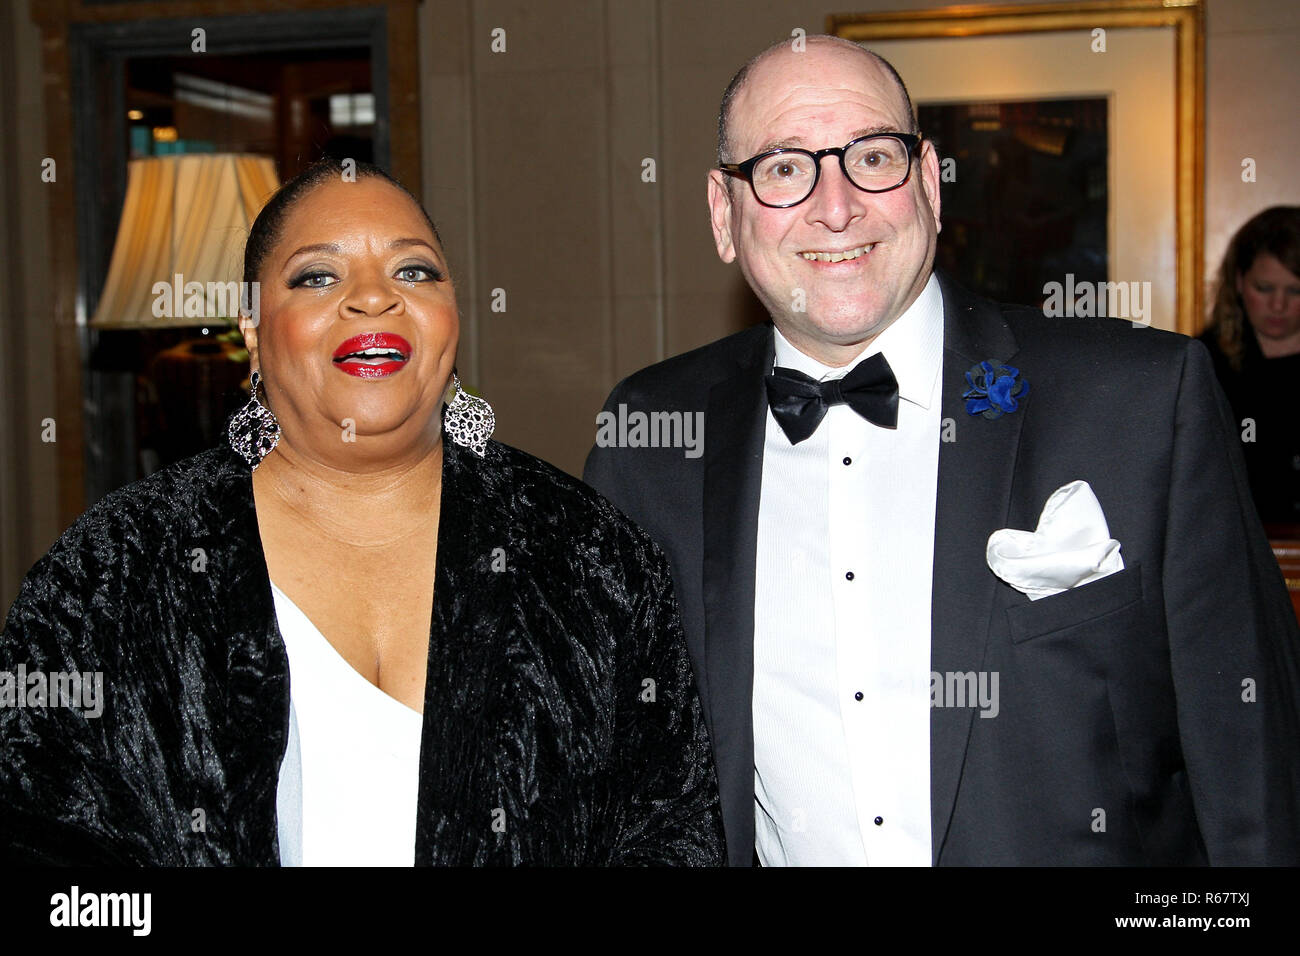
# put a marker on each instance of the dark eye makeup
(432, 272)
(308, 277)
(311, 278)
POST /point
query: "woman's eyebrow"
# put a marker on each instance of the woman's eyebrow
(330, 247)
(333, 247)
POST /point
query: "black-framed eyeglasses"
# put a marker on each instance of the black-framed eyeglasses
(787, 176)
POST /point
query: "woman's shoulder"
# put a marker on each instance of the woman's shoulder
(532, 497)
(526, 480)
(1223, 367)
(169, 504)
(128, 557)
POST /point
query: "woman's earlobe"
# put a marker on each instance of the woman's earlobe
(248, 329)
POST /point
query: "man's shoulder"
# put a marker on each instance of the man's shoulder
(693, 373)
(1085, 338)
(1098, 344)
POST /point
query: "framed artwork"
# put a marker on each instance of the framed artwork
(1098, 110)
(1030, 203)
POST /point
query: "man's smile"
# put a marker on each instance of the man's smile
(839, 255)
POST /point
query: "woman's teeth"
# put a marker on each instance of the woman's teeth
(837, 256)
(373, 356)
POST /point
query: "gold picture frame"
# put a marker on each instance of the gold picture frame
(1185, 19)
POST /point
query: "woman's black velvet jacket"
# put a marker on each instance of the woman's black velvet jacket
(561, 721)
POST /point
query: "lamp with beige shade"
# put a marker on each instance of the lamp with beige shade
(177, 264)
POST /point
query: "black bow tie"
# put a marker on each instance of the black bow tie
(799, 403)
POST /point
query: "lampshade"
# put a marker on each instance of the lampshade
(184, 223)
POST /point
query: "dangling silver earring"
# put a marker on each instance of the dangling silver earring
(253, 431)
(469, 421)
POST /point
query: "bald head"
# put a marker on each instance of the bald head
(738, 82)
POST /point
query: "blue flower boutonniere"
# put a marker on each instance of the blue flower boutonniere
(994, 389)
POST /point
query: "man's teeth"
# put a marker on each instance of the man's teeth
(837, 256)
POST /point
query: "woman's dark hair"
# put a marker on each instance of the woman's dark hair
(1275, 232)
(266, 228)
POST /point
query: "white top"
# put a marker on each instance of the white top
(854, 498)
(350, 777)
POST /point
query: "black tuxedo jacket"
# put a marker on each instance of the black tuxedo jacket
(1149, 717)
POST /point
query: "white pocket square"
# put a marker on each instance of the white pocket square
(1071, 546)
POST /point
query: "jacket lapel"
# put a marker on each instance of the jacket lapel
(257, 668)
(733, 474)
(472, 659)
(974, 491)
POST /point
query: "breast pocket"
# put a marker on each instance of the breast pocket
(1076, 606)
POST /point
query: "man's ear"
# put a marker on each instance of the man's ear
(248, 328)
(930, 180)
(720, 215)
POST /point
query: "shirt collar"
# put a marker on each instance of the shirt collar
(913, 345)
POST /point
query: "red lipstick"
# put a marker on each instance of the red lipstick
(372, 354)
